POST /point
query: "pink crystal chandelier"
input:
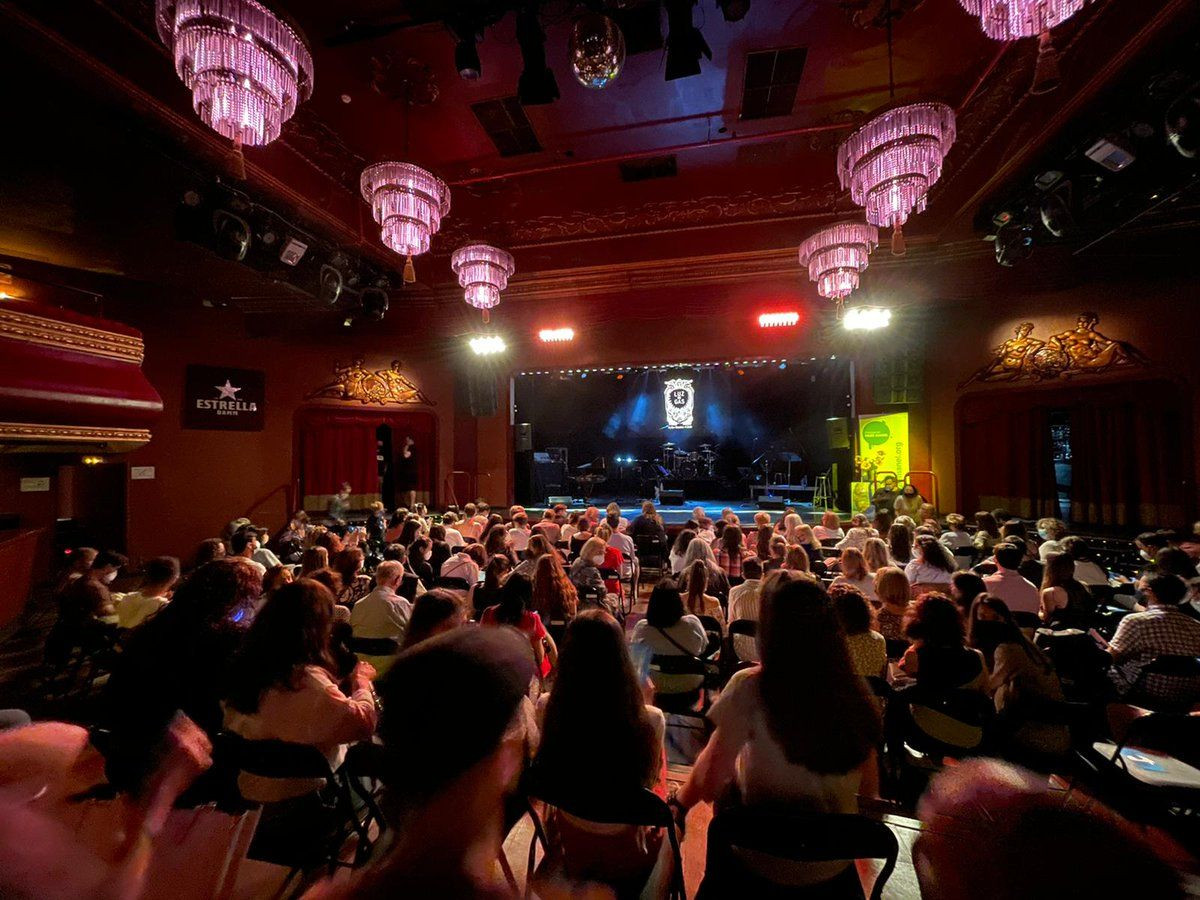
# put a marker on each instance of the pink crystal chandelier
(246, 68)
(408, 202)
(836, 255)
(1011, 20)
(483, 271)
(890, 163)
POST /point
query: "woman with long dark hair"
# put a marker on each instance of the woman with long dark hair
(513, 610)
(417, 557)
(932, 563)
(987, 534)
(408, 531)
(900, 543)
(670, 630)
(554, 597)
(1065, 602)
(696, 601)
(285, 687)
(597, 710)
(433, 612)
(964, 588)
(938, 656)
(679, 549)
(731, 551)
(314, 558)
(485, 593)
(1022, 678)
(779, 745)
(355, 585)
(762, 543)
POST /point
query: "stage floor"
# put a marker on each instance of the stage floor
(677, 515)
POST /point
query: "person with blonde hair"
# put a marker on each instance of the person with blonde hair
(1051, 531)
(762, 519)
(857, 534)
(894, 594)
(875, 554)
(695, 599)
(830, 527)
(790, 523)
(796, 559)
(855, 574)
(956, 536)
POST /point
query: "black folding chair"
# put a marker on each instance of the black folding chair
(381, 646)
(795, 837)
(682, 702)
(964, 558)
(636, 808)
(652, 553)
(747, 628)
(304, 846)
(452, 584)
(1168, 665)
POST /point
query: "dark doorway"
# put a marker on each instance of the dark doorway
(92, 504)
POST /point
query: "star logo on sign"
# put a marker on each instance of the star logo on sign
(228, 391)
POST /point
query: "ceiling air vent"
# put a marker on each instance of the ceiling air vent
(772, 76)
(505, 123)
(645, 169)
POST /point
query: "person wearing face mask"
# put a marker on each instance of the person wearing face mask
(1051, 532)
(85, 605)
(243, 546)
(585, 573)
(909, 502)
(420, 551)
(1149, 543)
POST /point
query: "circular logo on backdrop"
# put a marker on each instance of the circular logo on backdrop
(876, 433)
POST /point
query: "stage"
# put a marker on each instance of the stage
(678, 515)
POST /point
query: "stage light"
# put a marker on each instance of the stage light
(783, 365)
(583, 375)
(487, 345)
(621, 377)
(374, 304)
(232, 235)
(329, 285)
(685, 43)
(778, 319)
(536, 86)
(741, 371)
(556, 335)
(866, 318)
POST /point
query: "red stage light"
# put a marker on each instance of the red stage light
(778, 319)
(556, 335)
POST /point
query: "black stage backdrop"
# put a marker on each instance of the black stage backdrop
(765, 409)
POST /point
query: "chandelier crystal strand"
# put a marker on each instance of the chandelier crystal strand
(1010, 20)
(483, 272)
(408, 203)
(246, 68)
(836, 255)
(890, 163)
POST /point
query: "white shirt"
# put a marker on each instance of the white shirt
(135, 608)
(866, 585)
(956, 540)
(257, 566)
(821, 533)
(1089, 572)
(743, 604)
(454, 537)
(461, 566)
(622, 542)
(857, 538)
(382, 613)
(519, 538)
(920, 572)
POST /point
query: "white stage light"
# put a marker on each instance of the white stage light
(487, 345)
(866, 318)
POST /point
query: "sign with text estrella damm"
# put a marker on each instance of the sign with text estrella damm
(224, 399)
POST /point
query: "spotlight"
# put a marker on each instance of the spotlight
(783, 365)
(1183, 126)
(1014, 244)
(232, 235)
(487, 345)
(778, 319)
(329, 287)
(374, 304)
(620, 376)
(865, 318)
(556, 335)
(536, 86)
(734, 10)
(466, 58)
(583, 374)
(685, 43)
(1056, 215)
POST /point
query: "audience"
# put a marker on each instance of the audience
(932, 564)
(876, 555)
(382, 613)
(554, 596)
(938, 657)
(243, 545)
(895, 595)
(433, 613)
(1087, 570)
(743, 604)
(696, 601)
(956, 536)
(964, 588)
(868, 648)
(900, 543)
(854, 572)
(1064, 601)
(857, 534)
(669, 630)
(487, 592)
(830, 528)
(987, 533)
(512, 609)
(649, 524)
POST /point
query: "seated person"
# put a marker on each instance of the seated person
(696, 601)
(518, 534)
(668, 630)
(956, 536)
(868, 649)
(743, 604)
(86, 600)
(1051, 531)
(648, 524)
(537, 547)
(513, 609)
(731, 551)
(854, 573)
(1087, 570)
(909, 503)
(434, 612)
(486, 593)
(158, 578)
(1164, 629)
(938, 658)
(382, 613)
(857, 534)
(776, 746)
(554, 597)
(1019, 595)
(830, 528)
(547, 527)
(1065, 602)
(597, 709)
(586, 576)
(932, 563)
(284, 687)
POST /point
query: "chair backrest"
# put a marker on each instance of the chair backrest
(380, 646)
(896, 647)
(454, 584)
(710, 623)
(677, 664)
(746, 627)
(1173, 665)
(806, 838)
(1176, 734)
(929, 587)
(272, 758)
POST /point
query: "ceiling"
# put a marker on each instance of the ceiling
(744, 191)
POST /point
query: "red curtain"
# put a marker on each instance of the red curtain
(422, 427)
(337, 449)
(1130, 460)
(1006, 457)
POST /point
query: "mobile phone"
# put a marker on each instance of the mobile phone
(1098, 638)
(641, 661)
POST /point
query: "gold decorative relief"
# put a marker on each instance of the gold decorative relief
(354, 382)
(36, 432)
(1078, 351)
(22, 326)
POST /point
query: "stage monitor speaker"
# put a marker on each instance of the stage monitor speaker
(839, 433)
(670, 497)
(555, 500)
(475, 393)
(523, 437)
(778, 505)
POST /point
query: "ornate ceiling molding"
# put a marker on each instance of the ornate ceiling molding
(25, 433)
(31, 329)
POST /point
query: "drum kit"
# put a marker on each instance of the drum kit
(700, 463)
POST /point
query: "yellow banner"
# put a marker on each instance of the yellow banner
(883, 443)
